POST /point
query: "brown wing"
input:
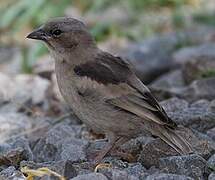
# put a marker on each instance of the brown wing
(113, 71)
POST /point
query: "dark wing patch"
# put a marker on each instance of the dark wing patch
(105, 69)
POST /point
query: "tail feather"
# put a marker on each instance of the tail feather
(170, 136)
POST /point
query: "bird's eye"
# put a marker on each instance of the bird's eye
(56, 32)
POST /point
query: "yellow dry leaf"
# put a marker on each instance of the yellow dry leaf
(31, 173)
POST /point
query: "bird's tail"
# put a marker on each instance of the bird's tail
(173, 139)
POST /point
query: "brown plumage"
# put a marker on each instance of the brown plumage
(102, 89)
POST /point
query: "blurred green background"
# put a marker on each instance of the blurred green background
(129, 20)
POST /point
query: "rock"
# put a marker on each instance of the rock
(116, 174)
(23, 88)
(31, 87)
(174, 105)
(44, 67)
(13, 123)
(187, 54)
(199, 89)
(166, 84)
(60, 143)
(211, 162)
(11, 173)
(90, 176)
(199, 115)
(14, 152)
(64, 168)
(134, 146)
(211, 133)
(153, 57)
(199, 68)
(164, 176)
(10, 58)
(158, 149)
(136, 170)
(190, 165)
(211, 176)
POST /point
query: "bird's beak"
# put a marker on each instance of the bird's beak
(38, 34)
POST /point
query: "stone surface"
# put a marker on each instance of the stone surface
(153, 57)
(211, 133)
(10, 58)
(13, 123)
(60, 143)
(187, 54)
(211, 161)
(190, 165)
(198, 89)
(198, 115)
(21, 88)
(158, 149)
(149, 59)
(11, 173)
(12, 153)
(211, 176)
(117, 174)
(164, 176)
(136, 169)
(90, 176)
(164, 86)
(199, 68)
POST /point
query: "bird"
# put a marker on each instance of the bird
(103, 90)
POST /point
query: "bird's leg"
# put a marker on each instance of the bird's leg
(110, 144)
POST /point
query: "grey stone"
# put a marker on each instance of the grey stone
(158, 149)
(22, 88)
(134, 146)
(154, 150)
(211, 176)
(44, 67)
(190, 165)
(211, 133)
(135, 169)
(12, 153)
(198, 89)
(174, 105)
(165, 85)
(117, 174)
(90, 176)
(60, 143)
(11, 173)
(153, 57)
(199, 115)
(13, 123)
(10, 58)
(211, 162)
(187, 54)
(199, 68)
(164, 176)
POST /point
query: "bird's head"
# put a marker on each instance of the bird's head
(63, 34)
